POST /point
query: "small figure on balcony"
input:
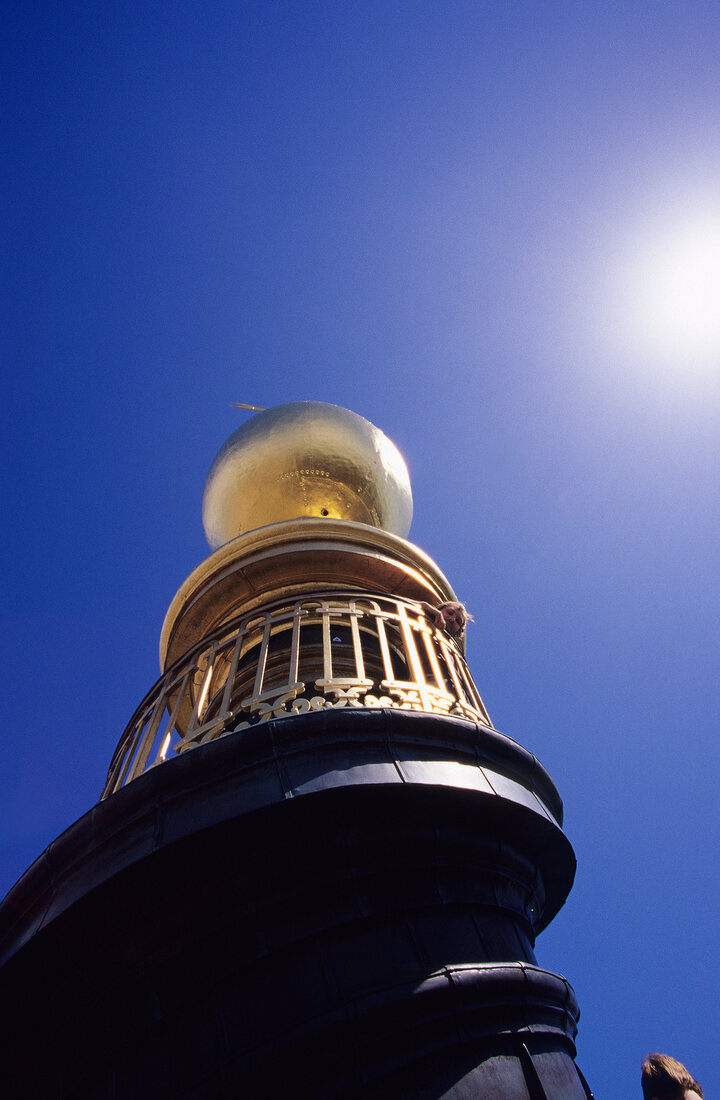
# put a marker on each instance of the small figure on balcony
(451, 617)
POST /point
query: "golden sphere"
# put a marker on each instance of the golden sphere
(306, 459)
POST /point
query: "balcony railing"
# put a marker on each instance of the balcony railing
(331, 649)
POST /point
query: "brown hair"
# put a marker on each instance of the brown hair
(664, 1078)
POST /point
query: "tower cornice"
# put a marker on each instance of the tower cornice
(292, 558)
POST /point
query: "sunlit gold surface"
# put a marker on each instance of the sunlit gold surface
(288, 559)
(312, 600)
(306, 459)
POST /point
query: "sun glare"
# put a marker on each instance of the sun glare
(673, 295)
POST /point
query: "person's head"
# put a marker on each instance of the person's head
(454, 616)
(664, 1078)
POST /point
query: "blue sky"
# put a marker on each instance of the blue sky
(491, 228)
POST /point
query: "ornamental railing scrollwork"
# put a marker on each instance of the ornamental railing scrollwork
(329, 650)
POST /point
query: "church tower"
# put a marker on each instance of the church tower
(316, 869)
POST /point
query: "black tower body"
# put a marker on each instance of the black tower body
(336, 893)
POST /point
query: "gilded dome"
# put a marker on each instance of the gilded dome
(306, 459)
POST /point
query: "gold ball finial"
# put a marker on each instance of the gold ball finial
(306, 459)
